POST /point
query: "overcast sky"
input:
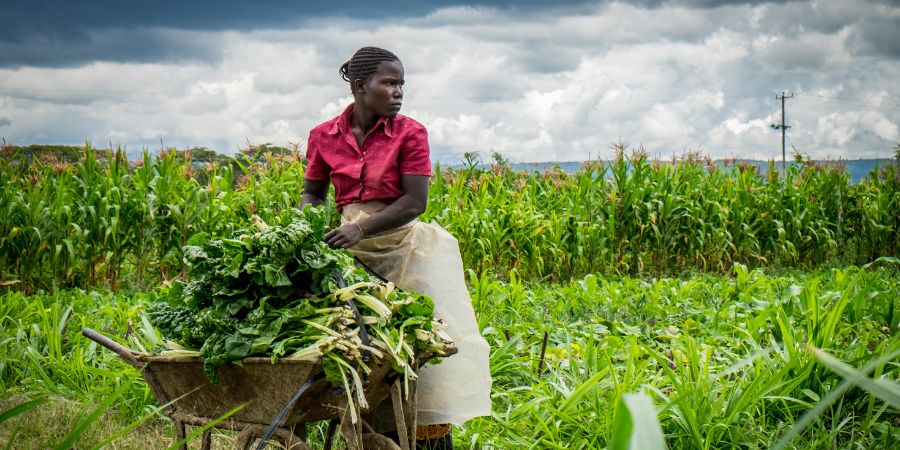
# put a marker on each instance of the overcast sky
(534, 82)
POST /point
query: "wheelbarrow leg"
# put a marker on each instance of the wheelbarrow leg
(352, 432)
(206, 440)
(412, 411)
(400, 416)
(405, 413)
(179, 433)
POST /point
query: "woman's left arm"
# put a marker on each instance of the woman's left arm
(406, 208)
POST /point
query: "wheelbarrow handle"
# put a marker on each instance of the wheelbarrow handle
(119, 349)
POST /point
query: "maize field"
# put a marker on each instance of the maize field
(708, 305)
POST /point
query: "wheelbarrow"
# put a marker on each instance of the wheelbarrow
(192, 399)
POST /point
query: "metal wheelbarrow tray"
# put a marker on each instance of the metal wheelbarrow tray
(266, 388)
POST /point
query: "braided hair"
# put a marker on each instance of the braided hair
(364, 63)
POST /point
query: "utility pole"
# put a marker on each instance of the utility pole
(783, 128)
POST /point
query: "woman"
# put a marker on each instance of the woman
(378, 162)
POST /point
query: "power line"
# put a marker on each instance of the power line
(850, 102)
(183, 98)
(792, 145)
(16, 93)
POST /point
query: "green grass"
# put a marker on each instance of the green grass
(725, 361)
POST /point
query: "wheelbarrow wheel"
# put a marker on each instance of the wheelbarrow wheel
(247, 438)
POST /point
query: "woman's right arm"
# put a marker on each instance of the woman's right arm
(314, 192)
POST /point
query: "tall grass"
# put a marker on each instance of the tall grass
(105, 222)
(638, 216)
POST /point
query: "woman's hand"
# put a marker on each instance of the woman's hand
(345, 236)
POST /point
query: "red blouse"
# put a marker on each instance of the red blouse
(394, 147)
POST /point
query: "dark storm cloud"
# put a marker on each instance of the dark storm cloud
(718, 3)
(702, 3)
(879, 36)
(874, 26)
(52, 33)
(115, 44)
(4, 122)
(24, 18)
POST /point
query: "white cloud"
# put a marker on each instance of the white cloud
(838, 129)
(804, 54)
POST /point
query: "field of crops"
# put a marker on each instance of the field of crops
(741, 305)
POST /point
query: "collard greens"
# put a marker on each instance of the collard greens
(274, 292)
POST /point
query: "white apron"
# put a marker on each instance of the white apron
(425, 258)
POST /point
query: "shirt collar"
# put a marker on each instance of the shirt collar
(342, 124)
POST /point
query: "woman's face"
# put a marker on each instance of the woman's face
(383, 91)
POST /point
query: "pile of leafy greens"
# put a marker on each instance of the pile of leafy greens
(275, 292)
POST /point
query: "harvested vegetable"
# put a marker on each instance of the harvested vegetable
(274, 292)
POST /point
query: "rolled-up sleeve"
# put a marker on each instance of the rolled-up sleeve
(415, 155)
(316, 167)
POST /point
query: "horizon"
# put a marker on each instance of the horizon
(484, 156)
